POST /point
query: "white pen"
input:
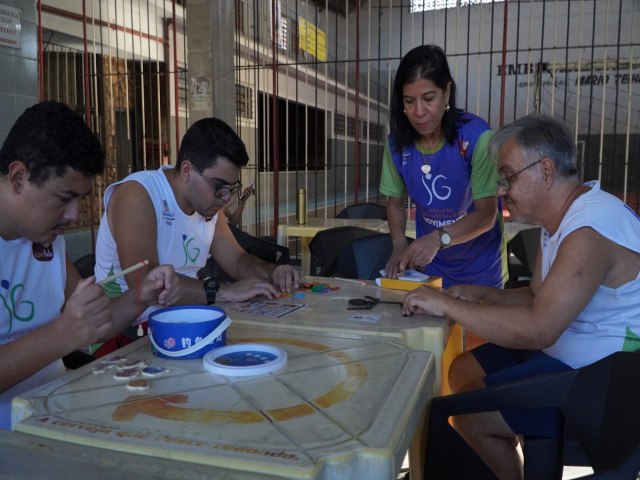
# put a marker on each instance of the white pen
(126, 271)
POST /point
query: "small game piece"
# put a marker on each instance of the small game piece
(138, 385)
(115, 360)
(298, 295)
(126, 374)
(153, 372)
(101, 368)
(137, 363)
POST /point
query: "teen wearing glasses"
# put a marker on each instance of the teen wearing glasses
(171, 216)
(437, 155)
(583, 302)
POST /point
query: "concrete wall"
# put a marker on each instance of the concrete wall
(18, 66)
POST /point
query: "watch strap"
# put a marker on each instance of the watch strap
(211, 285)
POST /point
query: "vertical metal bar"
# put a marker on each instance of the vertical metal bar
(108, 79)
(615, 148)
(40, 52)
(578, 82)
(505, 28)
(356, 172)
(604, 92)
(143, 122)
(87, 109)
(274, 115)
(175, 73)
(87, 99)
(627, 151)
(553, 67)
(566, 63)
(126, 82)
(158, 85)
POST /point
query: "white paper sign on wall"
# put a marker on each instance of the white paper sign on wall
(10, 27)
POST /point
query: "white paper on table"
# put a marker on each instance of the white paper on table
(411, 275)
(365, 318)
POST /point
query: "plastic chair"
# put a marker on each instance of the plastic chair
(364, 210)
(261, 248)
(364, 257)
(598, 405)
(522, 251)
(86, 265)
(326, 244)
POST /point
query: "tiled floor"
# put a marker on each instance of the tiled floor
(576, 472)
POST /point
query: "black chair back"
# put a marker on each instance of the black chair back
(326, 244)
(86, 265)
(364, 257)
(522, 251)
(364, 210)
(262, 248)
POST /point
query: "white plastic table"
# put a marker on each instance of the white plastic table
(30, 457)
(327, 313)
(342, 408)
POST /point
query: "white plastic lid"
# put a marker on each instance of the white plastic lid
(245, 359)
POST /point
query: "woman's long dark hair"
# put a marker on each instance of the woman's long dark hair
(428, 62)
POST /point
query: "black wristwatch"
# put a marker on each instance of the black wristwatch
(211, 286)
(445, 238)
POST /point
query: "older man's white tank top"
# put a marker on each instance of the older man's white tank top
(611, 320)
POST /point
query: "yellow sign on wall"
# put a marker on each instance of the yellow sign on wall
(312, 40)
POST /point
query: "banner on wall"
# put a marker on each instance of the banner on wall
(312, 40)
(10, 27)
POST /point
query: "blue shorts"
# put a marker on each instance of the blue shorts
(502, 365)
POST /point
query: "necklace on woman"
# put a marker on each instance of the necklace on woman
(427, 157)
(426, 168)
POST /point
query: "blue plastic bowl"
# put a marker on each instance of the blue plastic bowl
(178, 332)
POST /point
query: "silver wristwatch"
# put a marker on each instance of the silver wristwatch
(445, 238)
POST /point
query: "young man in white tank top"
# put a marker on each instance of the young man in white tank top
(47, 165)
(171, 215)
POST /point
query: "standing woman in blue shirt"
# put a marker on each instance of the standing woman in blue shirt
(437, 154)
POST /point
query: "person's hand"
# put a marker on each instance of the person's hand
(392, 268)
(420, 253)
(245, 290)
(470, 293)
(161, 286)
(247, 192)
(287, 278)
(424, 299)
(86, 316)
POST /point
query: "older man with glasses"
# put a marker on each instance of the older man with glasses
(170, 216)
(582, 304)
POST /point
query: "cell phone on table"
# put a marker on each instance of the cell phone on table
(250, 187)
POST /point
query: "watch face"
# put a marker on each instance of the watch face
(445, 238)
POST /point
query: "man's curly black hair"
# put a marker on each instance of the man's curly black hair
(49, 138)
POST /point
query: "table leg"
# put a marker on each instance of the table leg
(418, 448)
(454, 347)
(305, 261)
(281, 237)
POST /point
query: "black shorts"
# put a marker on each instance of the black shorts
(502, 365)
